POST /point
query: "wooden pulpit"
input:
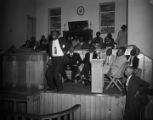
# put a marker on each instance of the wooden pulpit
(97, 76)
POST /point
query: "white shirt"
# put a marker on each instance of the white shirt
(128, 79)
(117, 64)
(56, 49)
(130, 60)
(108, 60)
(71, 54)
(90, 56)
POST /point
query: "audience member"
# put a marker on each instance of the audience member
(26, 44)
(122, 37)
(133, 59)
(32, 42)
(69, 39)
(136, 97)
(98, 41)
(43, 43)
(109, 41)
(85, 45)
(75, 41)
(85, 68)
(108, 60)
(74, 62)
(118, 62)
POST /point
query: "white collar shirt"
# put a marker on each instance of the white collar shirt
(56, 49)
(128, 79)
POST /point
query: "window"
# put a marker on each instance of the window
(31, 27)
(107, 17)
(55, 20)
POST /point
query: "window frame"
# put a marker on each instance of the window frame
(50, 28)
(105, 12)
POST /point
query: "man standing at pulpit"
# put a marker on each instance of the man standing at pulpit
(58, 48)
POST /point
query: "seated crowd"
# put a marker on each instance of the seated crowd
(81, 68)
(77, 42)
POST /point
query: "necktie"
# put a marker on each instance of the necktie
(131, 60)
(108, 60)
(126, 88)
(55, 50)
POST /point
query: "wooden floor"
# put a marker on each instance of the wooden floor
(69, 88)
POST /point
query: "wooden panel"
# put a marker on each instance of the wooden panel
(97, 76)
(146, 65)
(9, 73)
(92, 106)
(24, 70)
(148, 70)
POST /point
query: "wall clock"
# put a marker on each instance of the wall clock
(80, 10)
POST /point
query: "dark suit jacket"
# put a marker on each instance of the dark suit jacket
(63, 44)
(134, 102)
(135, 61)
(86, 59)
(109, 42)
(75, 59)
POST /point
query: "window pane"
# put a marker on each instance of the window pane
(107, 7)
(55, 19)
(108, 19)
(55, 12)
(56, 25)
(107, 30)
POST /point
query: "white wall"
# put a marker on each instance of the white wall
(140, 24)
(15, 21)
(69, 13)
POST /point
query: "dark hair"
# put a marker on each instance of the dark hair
(122, 48)
(133, 52)
(55, 31)
(123, 27)
(109, 35)
(97, 33)
(91, 47)
(109, 49)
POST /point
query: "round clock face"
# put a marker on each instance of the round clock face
(80, 10)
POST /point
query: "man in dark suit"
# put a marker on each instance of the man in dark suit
(74, 61)
(58, 48)
(136, 98)
(109, 41)
(133, 59)
(86, 61)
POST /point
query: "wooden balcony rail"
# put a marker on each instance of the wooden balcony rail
(63, 115)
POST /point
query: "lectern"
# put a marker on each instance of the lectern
(97, 76)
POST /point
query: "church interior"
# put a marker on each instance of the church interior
(85, 67)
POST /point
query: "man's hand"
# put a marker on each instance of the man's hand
(49, 62)
(137, 94)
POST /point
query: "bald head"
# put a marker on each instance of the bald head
(129, 71)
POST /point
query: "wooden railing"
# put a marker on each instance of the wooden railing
(63, 115)
(10, 104)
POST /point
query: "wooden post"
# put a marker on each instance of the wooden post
(97, 79)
